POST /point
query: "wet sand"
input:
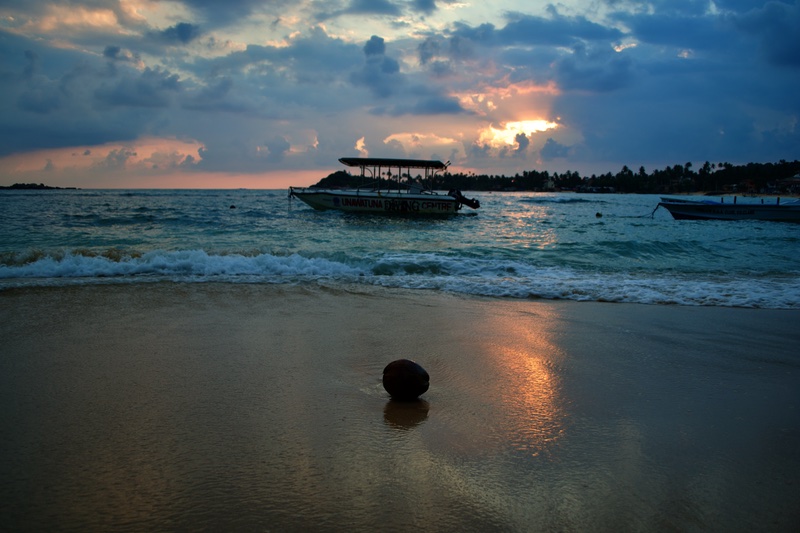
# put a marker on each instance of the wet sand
(250, 407)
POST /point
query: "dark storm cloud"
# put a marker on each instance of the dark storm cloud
(314, 57)
(423, 106)
(776, 26)
(376, 46)
(57, 97)
(219, 96)
(380, 73)
(663, 7)
(151, 88)
(117, 53)
(454, 48)
(373, 7)
(359, 7)
(553, 150)
(437, 105)
(216, 13)
(557, 30)
(278, 147)
(116, 159)
(680, 31)
(528, 30)
(424, 6)
(429, 49)
(181, 33)
(596, 69)
(40, 96)
(523, 142)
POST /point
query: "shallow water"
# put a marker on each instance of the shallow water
(521, 245)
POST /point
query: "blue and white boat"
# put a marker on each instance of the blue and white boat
(686, 209)
(401, 194)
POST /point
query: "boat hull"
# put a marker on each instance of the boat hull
(377, 202)
(687, 210)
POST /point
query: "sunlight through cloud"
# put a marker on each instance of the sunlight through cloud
(506, 135)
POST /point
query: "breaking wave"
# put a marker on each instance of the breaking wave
(505, 278)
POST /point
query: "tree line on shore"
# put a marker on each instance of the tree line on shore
(752, 178)
(763, 178)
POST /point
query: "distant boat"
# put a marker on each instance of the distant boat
(685, 209)
(401, 194)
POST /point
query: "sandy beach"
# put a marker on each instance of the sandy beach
(166, 407)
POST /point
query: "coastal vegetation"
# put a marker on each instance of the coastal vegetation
(782, 177)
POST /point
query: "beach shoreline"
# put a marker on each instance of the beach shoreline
(252, 406)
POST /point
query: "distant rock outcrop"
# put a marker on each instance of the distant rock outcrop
(338, 180)
(33, 186)
(341, 179)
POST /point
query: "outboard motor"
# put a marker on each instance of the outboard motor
(469, 202)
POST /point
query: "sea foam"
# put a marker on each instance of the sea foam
(428, 271)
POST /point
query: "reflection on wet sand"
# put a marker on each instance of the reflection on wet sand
(528, 388)
(405, 415)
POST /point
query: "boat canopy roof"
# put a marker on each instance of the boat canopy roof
(388, 162)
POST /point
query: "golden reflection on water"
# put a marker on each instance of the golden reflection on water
(527, 359)
(529, 227)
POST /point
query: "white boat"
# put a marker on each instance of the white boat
(400, 194)
(685, 209)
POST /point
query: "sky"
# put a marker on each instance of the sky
(271, 93)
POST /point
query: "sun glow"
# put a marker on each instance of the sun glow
(489, 99)
(361, 147)
(506, 135)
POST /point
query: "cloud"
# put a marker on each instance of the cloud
(117, 159)
(775, 26)
(375, 46)
(219, 96)
(431, 104)
(597, 69)
(442, 54)
(181, 33)
(437, 105)
(278, 147)
(556, 30)
(381, 8)
(122, 55)
(523, 142)
(679, 30)
(424, 6)
(553, 150)
(379, 72)
(220, 14)
(151, 88)
(373, 7)
(40, 94)
(529, 30)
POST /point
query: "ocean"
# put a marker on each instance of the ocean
(587, 247)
